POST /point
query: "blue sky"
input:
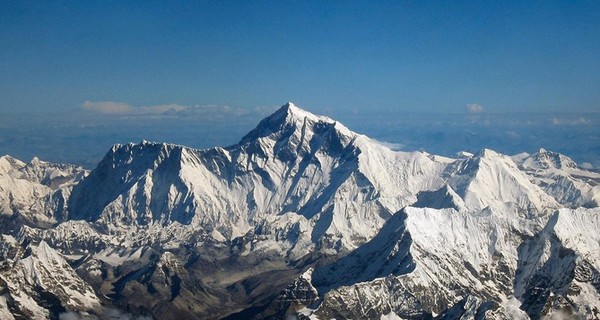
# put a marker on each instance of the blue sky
(440, 76)
(430, 56)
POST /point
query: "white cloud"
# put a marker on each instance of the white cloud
(173, 109)
(114, 314)
(122, 108)
(69, 316)
(474, 108)
(587, 165)
(160, 109)
(570, 121)
(106, 107)
(389, 145)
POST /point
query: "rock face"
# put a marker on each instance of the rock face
(302, 218)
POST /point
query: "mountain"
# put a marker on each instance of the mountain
(302, 218)
(35, 192)
(43, 285)
(292, 172)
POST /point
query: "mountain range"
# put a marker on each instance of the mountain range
(303, 218)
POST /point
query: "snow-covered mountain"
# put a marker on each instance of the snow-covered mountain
(35, 192)
(303, 218)
(295, 173)
(43, 285)
(560, 177)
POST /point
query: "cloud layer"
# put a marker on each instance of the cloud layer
(571, 121)
(106, 107)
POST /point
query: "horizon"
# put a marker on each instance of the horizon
(66, 139)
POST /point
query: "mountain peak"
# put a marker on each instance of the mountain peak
(292, 112)
(487, 153)
(290, 105)
(44, 252)
(289, 115)
(548, 159)
(463, 155)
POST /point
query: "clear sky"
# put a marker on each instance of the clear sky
(431, 56)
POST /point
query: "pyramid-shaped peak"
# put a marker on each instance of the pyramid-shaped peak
(290, 105)
(289, 116)
(36, 161)
(12, 160)
(487, 153)
(8, 163)
(291, 112)
(44, 252)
